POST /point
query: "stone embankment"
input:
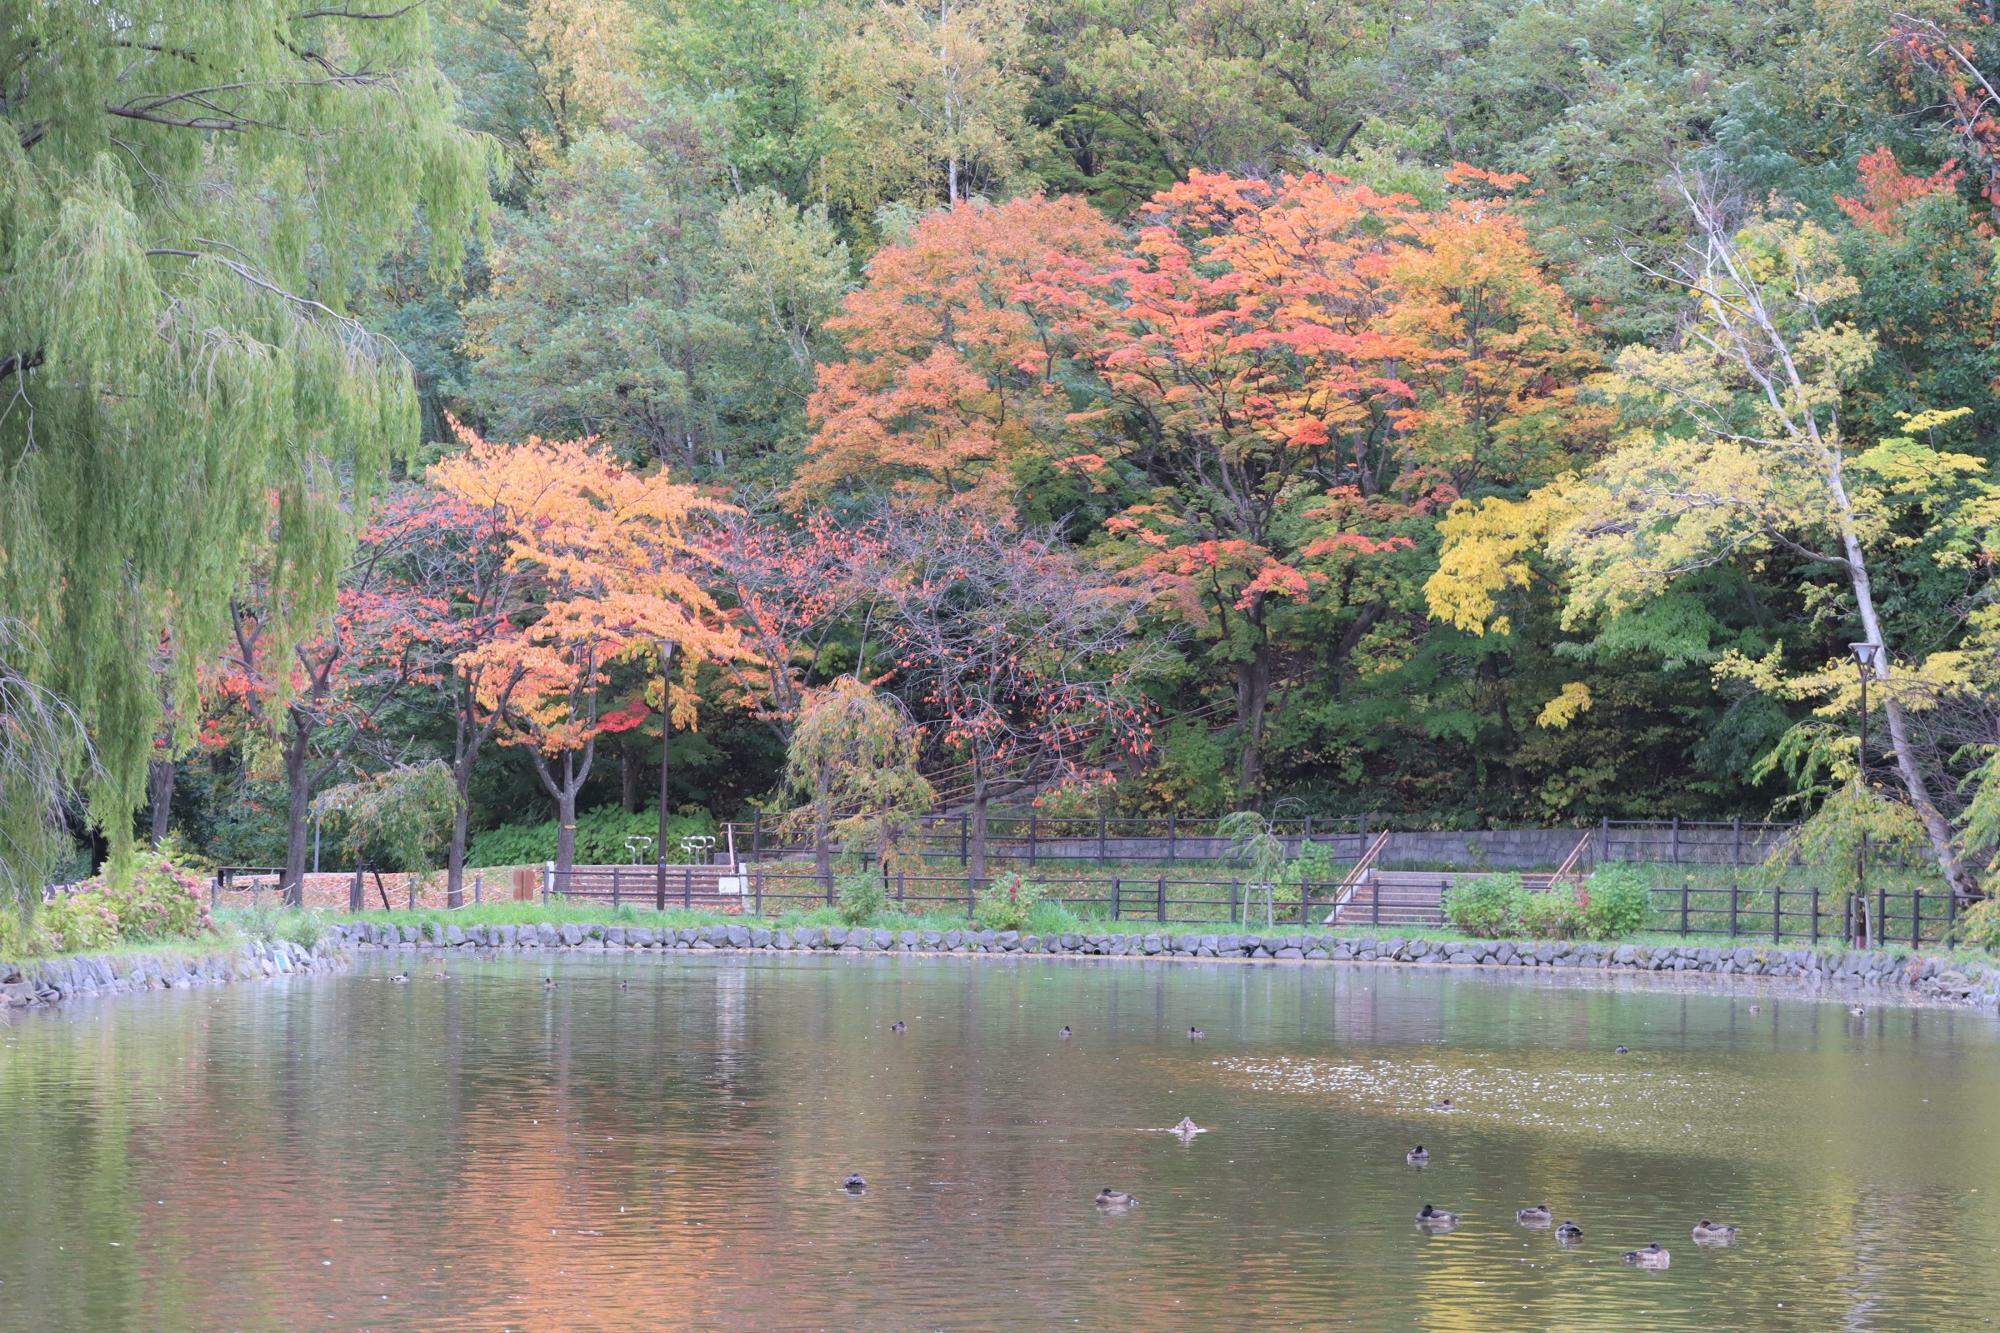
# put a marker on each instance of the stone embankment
(51, 980)
(1930, 976)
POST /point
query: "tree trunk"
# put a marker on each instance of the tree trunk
(160, 786)
(976, 854)
(1253, 697)
(1936, 827)
(666, 765)
(565, 831)
(461, 819)
(299, 784)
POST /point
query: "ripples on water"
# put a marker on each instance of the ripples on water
(487, 1152)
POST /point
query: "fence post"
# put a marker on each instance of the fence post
(687, 886)
(964, 841)
(215, 890)
(756, 833)
(757, 890)
(1116, 885)
(548, 880)
(1735, 898)
(410, 883)
(1684, 909)
(1880, 933)
(1777, 913)
(971, 897)
(1100, 837)
(902, 888)
(478, 888)
(1916, 918)
(1677, 840)
(1815, 916)
(354, 891)
(1235, 888)
(1950, 917)
(1736, 841)
(617, 886)
(1162, 898)
(1034, 834)
(1374, 903)
(1604, 845)
(1171, 823)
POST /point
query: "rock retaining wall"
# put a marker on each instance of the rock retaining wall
(1933, 977)
(49, 981)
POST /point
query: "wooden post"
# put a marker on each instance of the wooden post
(687, 886)
(1116, 885)
(1916, 918)
(757, 891)
(478, 884)
(756, 833)
(1374, 903)
(354, 892)
(1677, 840)
(1777, 913)
(617, 879)
(1815, 916)
(1950, 917)
(1734, 898)
(1880, 933)
(1034, 833)
(964, 841)
(1684, 909)
(1100, 837)
(215, 889)
(1162, 892)
(1235, 890)
(902, 889)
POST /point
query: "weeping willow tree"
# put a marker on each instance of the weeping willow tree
(190, 193)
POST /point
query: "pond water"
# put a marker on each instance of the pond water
(661, 1140)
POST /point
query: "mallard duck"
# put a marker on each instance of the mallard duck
(1569, 1233)
(854, 1184)
(1196, 1034)
(1650, 1257)
(1538, 1216)
(1623, 1050)
(1756, 1008)
(548, 983)
(400, 978)
(1858, 1011)
(1436, 1219)
(624, 985)
(1443, 1104)
(1115, 1201)
(1187, 1126)
(1065, 1032)
(1713, 1233)
(898, 1027)
(1418, 1155)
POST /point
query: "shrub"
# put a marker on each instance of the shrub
(600, 838)
(862, 898)
(1486, 905)
(77, 922)
(1979, 926)
(1616, 902)
(1006, 903)
(1552, 914)
(156, 901)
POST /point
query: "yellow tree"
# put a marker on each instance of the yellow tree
(619, 568)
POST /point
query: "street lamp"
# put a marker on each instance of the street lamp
(1868, 659)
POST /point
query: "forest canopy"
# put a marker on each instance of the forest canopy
(1486, 414)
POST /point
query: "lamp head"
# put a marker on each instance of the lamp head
(1868, 655)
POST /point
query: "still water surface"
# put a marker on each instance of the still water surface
(661, 1141)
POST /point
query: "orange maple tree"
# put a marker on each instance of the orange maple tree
(950, 377)
(620, 572)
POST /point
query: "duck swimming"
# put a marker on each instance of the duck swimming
(1065, 1032)
(854, 1184)
(1623, 1050)
(1187, 1127)
(1538, 1216)
(400, 977)
(1713, 1233)
(1443, 1104)
(1418, 1155)
(1569, 1233)
(1196, 1034)
(1436, 1219)
(1650, 1257)
(1115, 1201)
(898, 1027)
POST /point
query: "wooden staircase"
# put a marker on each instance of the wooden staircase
(1371, 896)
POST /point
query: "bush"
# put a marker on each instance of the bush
(862, 898)
(1007, 902)
(600, 838)
(1979, 926)
(1487, 906)
(156, 901)
(79, 922)
(1616, 902)
(1552, 914)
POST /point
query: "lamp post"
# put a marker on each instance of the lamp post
(666, 754)
(1868, 660)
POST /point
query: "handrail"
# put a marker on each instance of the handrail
(1567, 869)
(1352, 880)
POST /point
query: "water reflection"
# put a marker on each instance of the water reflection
(487, 1150)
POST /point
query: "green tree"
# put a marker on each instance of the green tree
(853, 759)
(189, 193)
